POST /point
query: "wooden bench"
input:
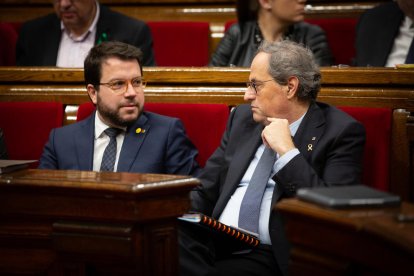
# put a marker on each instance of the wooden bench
(358, 87)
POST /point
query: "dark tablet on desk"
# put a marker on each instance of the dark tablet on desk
(347, 196)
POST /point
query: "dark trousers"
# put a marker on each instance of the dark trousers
(201, 254)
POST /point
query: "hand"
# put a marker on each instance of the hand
(276, 135)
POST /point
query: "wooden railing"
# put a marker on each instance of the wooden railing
(374, 87)
(366, 87)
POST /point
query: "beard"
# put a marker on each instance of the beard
(113, 116)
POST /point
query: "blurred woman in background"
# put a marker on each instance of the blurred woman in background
(270, 20)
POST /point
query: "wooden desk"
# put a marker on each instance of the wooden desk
(75, 222)
(368, 241)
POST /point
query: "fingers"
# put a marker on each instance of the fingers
(277, 136)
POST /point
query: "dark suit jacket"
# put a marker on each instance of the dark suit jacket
(163, 148)
(375, 34)
(337, 144)
(39, 39)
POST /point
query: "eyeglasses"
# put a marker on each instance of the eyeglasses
(255, 84)
(121, 86)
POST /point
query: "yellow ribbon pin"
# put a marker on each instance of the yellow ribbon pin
(310, 147)
(139, 130)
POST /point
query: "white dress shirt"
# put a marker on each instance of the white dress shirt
(101, 141)
(402, 43)
(74, 49)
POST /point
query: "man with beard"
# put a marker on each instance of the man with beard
(138, 141)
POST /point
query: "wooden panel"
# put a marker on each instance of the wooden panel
(381, 87)
(410, 149)
(356, 241)
(83, 223)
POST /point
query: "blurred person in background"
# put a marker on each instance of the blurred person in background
(272, 21)
(65, 37)
(384, 35)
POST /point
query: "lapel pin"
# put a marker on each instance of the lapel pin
(139, 130)
(310, 147)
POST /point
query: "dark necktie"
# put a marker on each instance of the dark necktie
(109, 156)
(250, 206)
(410, 56)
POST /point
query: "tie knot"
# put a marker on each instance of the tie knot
(112, 132)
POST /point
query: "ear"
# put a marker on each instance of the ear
(92, 93)
(292, 86)
(265, 4)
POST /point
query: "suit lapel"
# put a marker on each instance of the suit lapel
(306, 138)
(310, 131)
(240, 161)
(134, 138)
(51, 43)
(389, 33)
(103, 27)
(84, 141)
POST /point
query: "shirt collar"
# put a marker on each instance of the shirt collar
(100, 126)
(295, 125)
(408, 23)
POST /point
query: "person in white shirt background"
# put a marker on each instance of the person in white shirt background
(64, 38)
(384, 35)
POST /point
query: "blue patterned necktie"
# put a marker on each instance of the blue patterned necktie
(250, 206)
(109, 156)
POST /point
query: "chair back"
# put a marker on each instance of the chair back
(26, 126)
(340, 33)
(181, 43)
(8, 39)
(376, 163)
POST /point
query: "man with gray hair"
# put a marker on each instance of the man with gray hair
(281, 141)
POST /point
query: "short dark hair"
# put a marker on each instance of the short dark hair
(101, 52)
(287, 59)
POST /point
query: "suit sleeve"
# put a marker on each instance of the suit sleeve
(341, 164)
(48, 160)
(225, 49)
(316, 40)
(143, 40)
(181, 153)
(22, 58)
